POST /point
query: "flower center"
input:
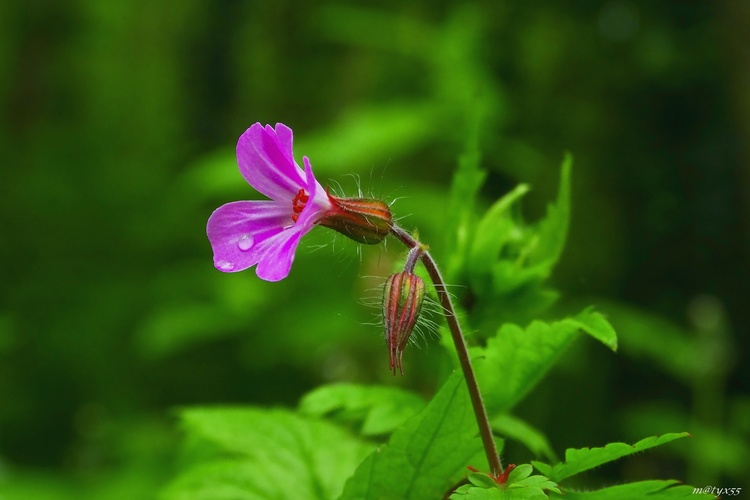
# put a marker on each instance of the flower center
(298, 204)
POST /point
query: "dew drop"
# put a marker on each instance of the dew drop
(223, 265)
(245, 243)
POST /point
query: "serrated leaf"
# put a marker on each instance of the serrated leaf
(510, 260)
(424, 457)
(516, 359)
(519, 491)
(381, 409)
(651, 490)
(583, 459)
(520, 485)
(538, 247)
(301, 458)
(536, 481)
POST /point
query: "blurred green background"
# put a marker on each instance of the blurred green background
(119, 121)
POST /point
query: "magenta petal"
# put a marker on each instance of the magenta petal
(276, 262)
(316, 191)
(246, 233)
(239, 232)
(284, 136)
(265, 165)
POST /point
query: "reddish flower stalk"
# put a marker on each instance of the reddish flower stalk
(480, 412)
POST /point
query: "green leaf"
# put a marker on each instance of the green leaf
(381, 409)
(651, 490)
(596, 325)
(223, 479)
(475, 493)
(482, 480)
(516, 359)
(520, 472)
(427, 455)
(583, 459)
(520, 485)
(283, 454)
(496, 229)
(509, 260)
(521, 477)
(513, 428)
(518, 254)
(536, 481)
(553, 229)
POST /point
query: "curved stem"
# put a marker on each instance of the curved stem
(462, 350)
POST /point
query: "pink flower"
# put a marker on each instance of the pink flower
(266, 233)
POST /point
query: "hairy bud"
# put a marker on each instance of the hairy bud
(403, 295)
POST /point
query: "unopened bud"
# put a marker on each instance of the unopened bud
(364, 220)
(403, 295)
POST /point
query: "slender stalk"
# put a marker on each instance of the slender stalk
(485, 431)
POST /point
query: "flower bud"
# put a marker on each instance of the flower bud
(364, 220)
(403, 295)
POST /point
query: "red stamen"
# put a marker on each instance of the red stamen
(298, 204)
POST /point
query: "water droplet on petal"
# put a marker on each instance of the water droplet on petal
(245, 243)
(224, 265)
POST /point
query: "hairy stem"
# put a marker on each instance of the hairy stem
(461, 348)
